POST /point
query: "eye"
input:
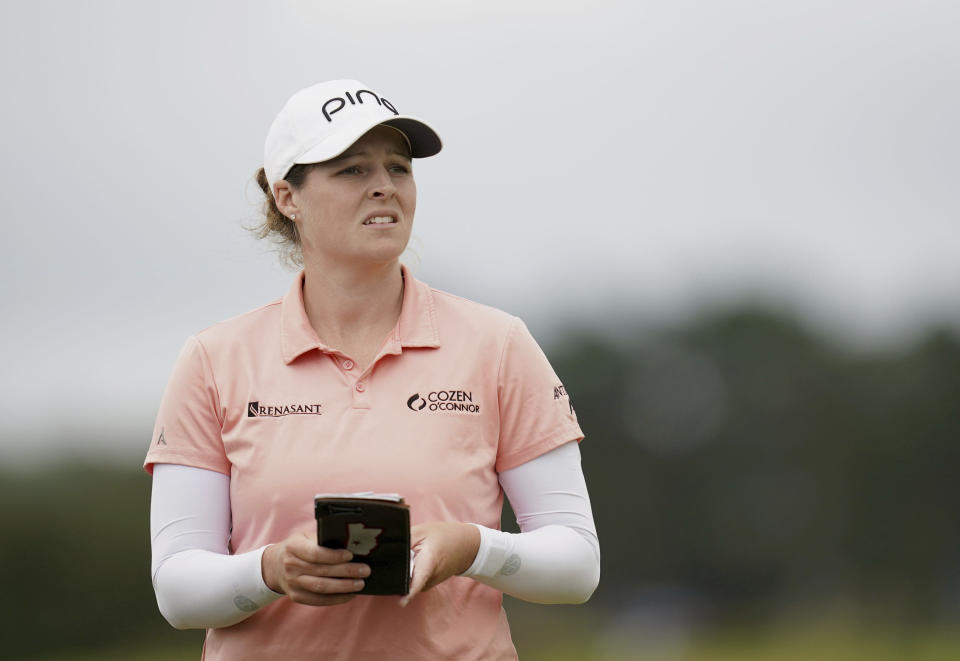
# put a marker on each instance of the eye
(399, 169)
(353, 169)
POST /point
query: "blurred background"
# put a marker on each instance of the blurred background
(732, 225)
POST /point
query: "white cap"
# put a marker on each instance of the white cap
(321, 121)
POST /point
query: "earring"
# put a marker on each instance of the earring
(293, 216)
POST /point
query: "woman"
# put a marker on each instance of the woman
(361, 378)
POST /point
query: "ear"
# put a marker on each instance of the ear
(283, 195)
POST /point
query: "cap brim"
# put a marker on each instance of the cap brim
(424, 141)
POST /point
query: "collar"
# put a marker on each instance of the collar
(416, 327)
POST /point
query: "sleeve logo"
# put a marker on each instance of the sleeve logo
(560, 392)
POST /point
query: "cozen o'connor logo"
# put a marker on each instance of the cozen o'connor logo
(258, 410)
(444, 400)
(416, 403)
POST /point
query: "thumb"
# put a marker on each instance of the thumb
(417, 534)
(422, 570)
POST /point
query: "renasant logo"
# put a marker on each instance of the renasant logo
(256, 410)
(444, 400)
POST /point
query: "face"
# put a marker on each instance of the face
(357, 208)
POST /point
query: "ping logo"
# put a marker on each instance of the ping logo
(258, 410)
(349, 97)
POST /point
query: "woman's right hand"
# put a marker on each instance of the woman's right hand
(311, 574)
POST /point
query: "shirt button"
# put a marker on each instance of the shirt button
(348, 364)
(361, 386)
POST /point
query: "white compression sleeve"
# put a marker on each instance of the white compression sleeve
(556, 557)
(197, 583)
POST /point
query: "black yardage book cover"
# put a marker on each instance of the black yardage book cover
(375, 527)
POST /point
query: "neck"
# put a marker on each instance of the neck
(353, 307)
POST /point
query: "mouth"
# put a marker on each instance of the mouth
(380, 220)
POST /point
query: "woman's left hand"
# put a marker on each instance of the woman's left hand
(443, 549)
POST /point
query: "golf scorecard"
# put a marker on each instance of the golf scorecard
(375, 527)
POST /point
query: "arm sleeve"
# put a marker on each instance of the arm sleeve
(556, 556)
(197, 583)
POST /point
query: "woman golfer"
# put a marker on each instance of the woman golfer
(361, 378)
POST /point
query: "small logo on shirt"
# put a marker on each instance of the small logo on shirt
(559, 392)
(161, 440)
(245, 603)
(511, 566)
(258, 410)
(416, 402)
(444, 400)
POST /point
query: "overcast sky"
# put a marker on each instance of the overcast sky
(602, 160)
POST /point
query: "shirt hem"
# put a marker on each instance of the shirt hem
(555, 440)
(184, 460)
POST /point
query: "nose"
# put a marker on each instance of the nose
(382, 186)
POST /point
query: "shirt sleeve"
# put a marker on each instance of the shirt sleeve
(190, 419)
(536, 414)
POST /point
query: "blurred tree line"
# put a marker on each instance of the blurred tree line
(739, 463)
(757, 468)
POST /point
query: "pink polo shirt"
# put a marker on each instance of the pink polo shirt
(458, 392)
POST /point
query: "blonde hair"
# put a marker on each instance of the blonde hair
(280, 229)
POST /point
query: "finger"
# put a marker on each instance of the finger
(347, 570)
(312, 599)
(326, 585)
(422, 570)
(306, 548)
(417, 534)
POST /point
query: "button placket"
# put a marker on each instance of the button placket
(361, 391)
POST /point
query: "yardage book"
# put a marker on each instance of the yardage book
(375, 527)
